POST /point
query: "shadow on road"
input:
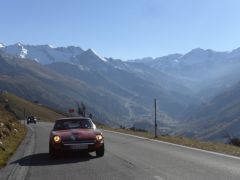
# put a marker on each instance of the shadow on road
(43, 159)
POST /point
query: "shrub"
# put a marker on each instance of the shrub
(234, 141)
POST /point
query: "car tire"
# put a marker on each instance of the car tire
(52, 153)
(100, 151)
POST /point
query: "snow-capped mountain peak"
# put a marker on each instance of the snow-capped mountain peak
(23, 51)
(44, 54)
(92, 52)
(17, 49)
(2, 45)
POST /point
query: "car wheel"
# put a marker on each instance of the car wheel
(100, 151)
(53, 153)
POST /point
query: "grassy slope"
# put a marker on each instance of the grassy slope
(11, 131)
(11, 135)
(205, 145)
(18, 105)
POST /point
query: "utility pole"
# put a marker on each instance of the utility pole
(155, 116)
(24, 115)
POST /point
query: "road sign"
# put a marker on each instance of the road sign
(71, 110)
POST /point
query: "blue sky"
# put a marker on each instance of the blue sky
(125, 29)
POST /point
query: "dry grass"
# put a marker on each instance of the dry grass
(11, 131)
(205, 145)
(11, 135)
(18, 105)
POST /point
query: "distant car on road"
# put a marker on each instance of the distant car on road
(75, 134)
(32, 119)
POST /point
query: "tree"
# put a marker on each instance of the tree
(232, 140)
(81, 110)
(90, 116)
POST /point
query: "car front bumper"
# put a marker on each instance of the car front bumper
(90, 147)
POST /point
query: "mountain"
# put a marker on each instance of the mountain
(33, 81)
(212, 78)
(218, 117)
(115, 95)
(90, 59)
(122, 92)
(43, 54)
(201, 70)
(136, 92)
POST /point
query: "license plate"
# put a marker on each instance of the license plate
(79, 146)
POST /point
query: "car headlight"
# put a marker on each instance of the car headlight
(57, 139)
(99, 137)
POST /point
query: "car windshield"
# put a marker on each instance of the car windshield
(73, 124)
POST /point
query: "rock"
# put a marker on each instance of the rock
(1, 146)
(1, 124)
(15, 131)
(8, 126)
(5, 132)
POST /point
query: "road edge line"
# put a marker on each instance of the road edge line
(12, 169)
(178, 145)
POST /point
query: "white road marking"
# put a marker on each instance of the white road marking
(177, 145)
(158, 178)
(30, 127)
(19, 172)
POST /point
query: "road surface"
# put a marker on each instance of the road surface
(126, 157)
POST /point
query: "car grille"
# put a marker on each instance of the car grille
(70, 141)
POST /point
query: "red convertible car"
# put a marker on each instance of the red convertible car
(73, 134)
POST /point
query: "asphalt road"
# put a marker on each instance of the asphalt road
(126, 157)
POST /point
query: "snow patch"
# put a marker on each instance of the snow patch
(35, 59)
(2, 45)
(51, 46)
(23, 52)
(176, 61)
(82, 67)
(19, 44)
(117, 67)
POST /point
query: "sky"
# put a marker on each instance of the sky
(125, 29)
